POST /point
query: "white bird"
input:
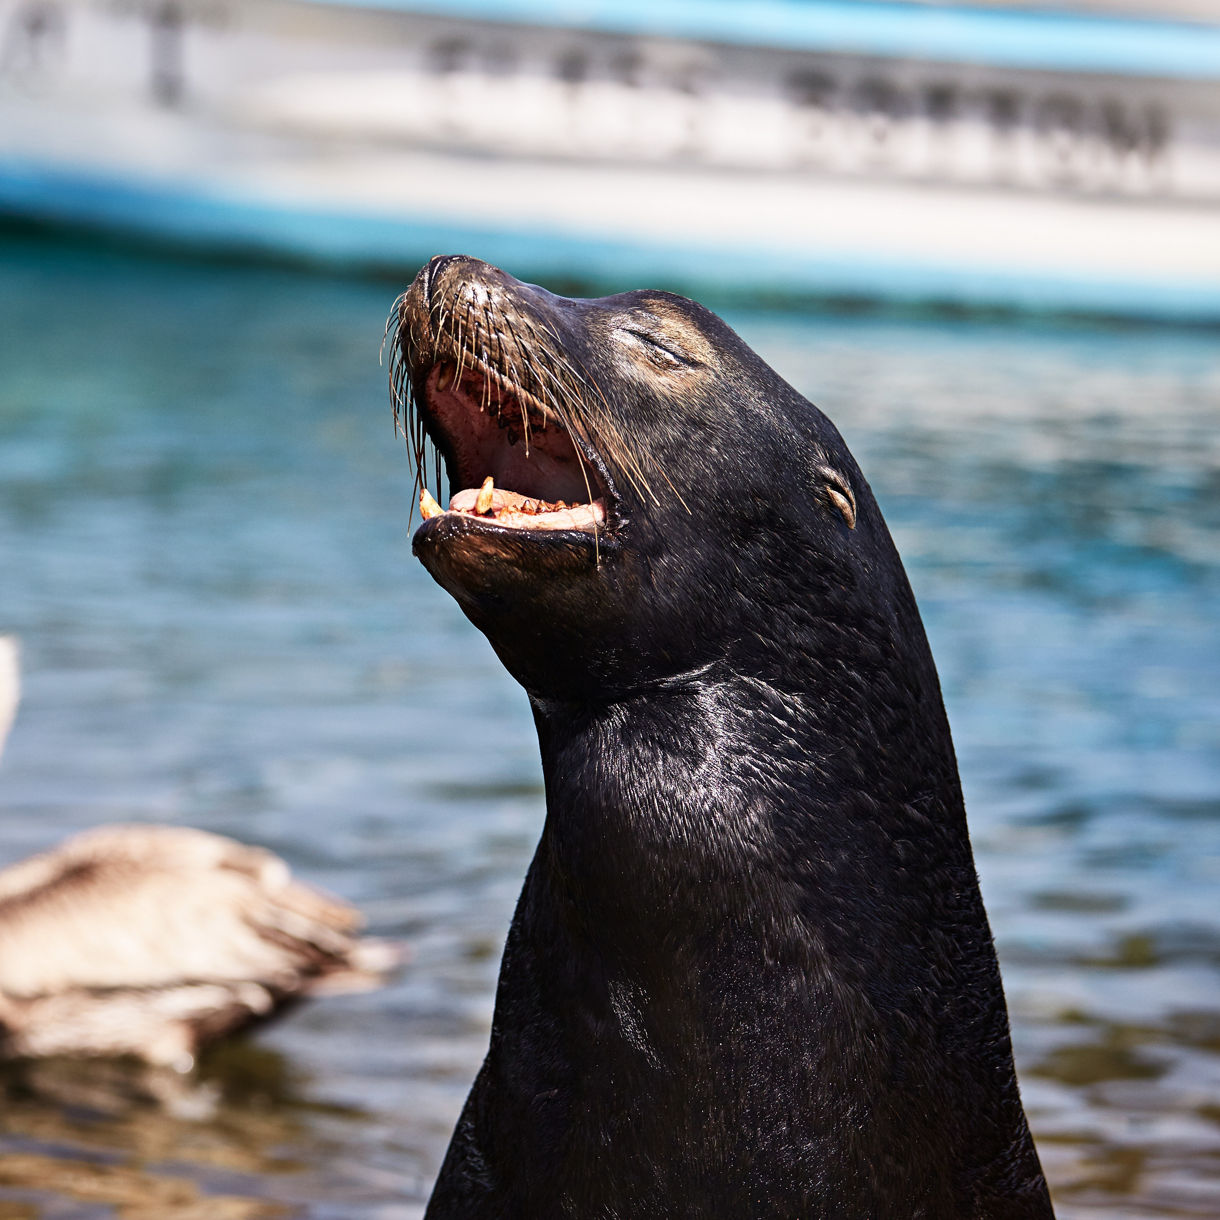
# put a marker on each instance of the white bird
(152, 940)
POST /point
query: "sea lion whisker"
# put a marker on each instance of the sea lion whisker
(485, 364)
(442, 313)
(398, 369)
(482, 336)
(565, 391)
(525, 420)
(595, 432)
(502, 380)
(392, 320)
(460, 326)
(400, 396)
(521, 381)
(681, 499)
(394, 317)
(623, 453)
(568, 411)
(566, 394)
(418, 443)
(625, 457)
(597, 550)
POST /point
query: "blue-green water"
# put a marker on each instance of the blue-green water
(204, 547)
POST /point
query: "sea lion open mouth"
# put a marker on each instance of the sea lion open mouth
(593, 447)
(478, 373)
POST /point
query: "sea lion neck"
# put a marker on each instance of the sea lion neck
(723, 924)
(716, 771)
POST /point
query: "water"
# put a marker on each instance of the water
(204, 546)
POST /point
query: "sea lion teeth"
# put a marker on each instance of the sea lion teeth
(482, 505)
(428, 507)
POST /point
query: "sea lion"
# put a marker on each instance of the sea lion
(750, 973)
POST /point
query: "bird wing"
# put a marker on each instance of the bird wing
(156, 906)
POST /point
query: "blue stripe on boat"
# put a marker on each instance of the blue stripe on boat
(193, 218)
(1011, 38)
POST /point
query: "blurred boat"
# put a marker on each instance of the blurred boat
(974, 156)
(152, 941)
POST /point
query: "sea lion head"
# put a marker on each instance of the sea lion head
(638, 496)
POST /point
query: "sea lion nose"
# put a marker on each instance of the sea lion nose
(448, 275)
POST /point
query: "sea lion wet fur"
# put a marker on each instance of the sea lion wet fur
(750, 973)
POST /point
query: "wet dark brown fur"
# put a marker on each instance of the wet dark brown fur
(750, 973)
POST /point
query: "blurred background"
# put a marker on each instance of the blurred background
(985, 239)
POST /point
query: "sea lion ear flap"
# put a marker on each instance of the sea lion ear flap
(840, 494)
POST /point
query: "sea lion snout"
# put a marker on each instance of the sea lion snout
(454, 283)
(631, 448)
